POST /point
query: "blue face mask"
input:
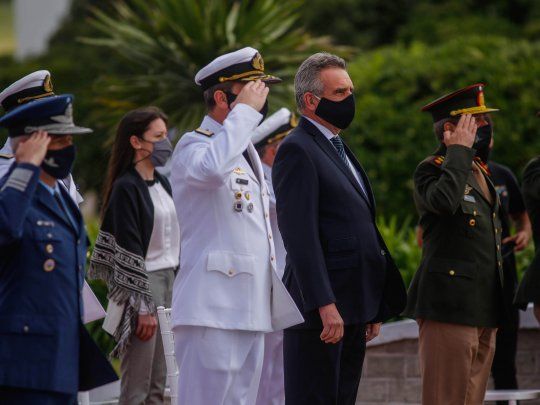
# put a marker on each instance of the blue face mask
(58, 163)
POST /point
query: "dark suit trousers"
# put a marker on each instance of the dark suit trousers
(20, 396)
(317, 373)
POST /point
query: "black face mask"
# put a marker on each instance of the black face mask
(482, 141)
(231, 97)
(338, 113)
(58, 163)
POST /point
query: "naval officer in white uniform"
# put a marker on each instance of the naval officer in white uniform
(228, 293)
(33, 86)
(266, 139)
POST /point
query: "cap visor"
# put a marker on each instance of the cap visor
(264, 78)
(59, 129)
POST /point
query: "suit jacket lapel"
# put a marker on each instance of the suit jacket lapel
(361, 171)
(329, 149)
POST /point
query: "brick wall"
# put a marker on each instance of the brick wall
(391, 375)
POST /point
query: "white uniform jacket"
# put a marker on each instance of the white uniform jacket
(227, 277)
(278, 240)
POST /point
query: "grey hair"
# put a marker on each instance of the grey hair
(307, 78)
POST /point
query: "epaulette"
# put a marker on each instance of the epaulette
(6, 156)
(204, 132)
(437, 160)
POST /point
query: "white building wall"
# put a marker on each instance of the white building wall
(35, 22)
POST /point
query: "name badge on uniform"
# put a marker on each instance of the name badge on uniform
(469, 198)
(242, 181)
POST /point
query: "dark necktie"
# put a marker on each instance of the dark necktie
(60, 203)
(338, 144)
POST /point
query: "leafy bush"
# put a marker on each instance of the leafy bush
(391, 136)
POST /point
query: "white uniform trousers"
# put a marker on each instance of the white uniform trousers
(218, 366)
(272, 386)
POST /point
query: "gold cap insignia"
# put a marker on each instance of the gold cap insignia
(47, 84)
(257, 62)
(293, 122)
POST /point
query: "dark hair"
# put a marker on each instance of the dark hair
(135, 122)
(438, 127)
(209, 93)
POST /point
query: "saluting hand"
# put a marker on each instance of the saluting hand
(253, 94)
(464, 133)
(333, 326)
(33, 150)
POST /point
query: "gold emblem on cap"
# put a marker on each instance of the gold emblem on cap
(47, 84)
(257, 62)
(293, 122)
(49, 265)
(49, 248)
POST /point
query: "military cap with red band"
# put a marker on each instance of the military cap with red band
(469, 100)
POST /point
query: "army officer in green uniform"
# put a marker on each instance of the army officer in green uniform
(456, 293)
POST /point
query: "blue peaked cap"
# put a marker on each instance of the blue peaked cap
(53, 114)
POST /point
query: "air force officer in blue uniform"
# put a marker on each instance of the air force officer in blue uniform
(46, 355)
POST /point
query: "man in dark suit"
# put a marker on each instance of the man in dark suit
(46, 354)
(338, 269)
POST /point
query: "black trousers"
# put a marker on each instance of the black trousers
(317, 373)
(503, 369)
(20, 396)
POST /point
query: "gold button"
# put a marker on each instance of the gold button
(499, 263)
(26, 329)
(472, 222)
(49, 265)
(494, 216)
(475, 213)
(49, 248)
(496, 231)
(238, 195)
(452, 272)
(498, 247)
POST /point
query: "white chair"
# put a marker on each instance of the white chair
(164, 316)
(84, 398)
(512, 396)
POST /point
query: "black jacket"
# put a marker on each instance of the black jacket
(335, 253)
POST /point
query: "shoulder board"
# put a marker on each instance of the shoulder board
(204, 132)
(436, 160)
(6, 156)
